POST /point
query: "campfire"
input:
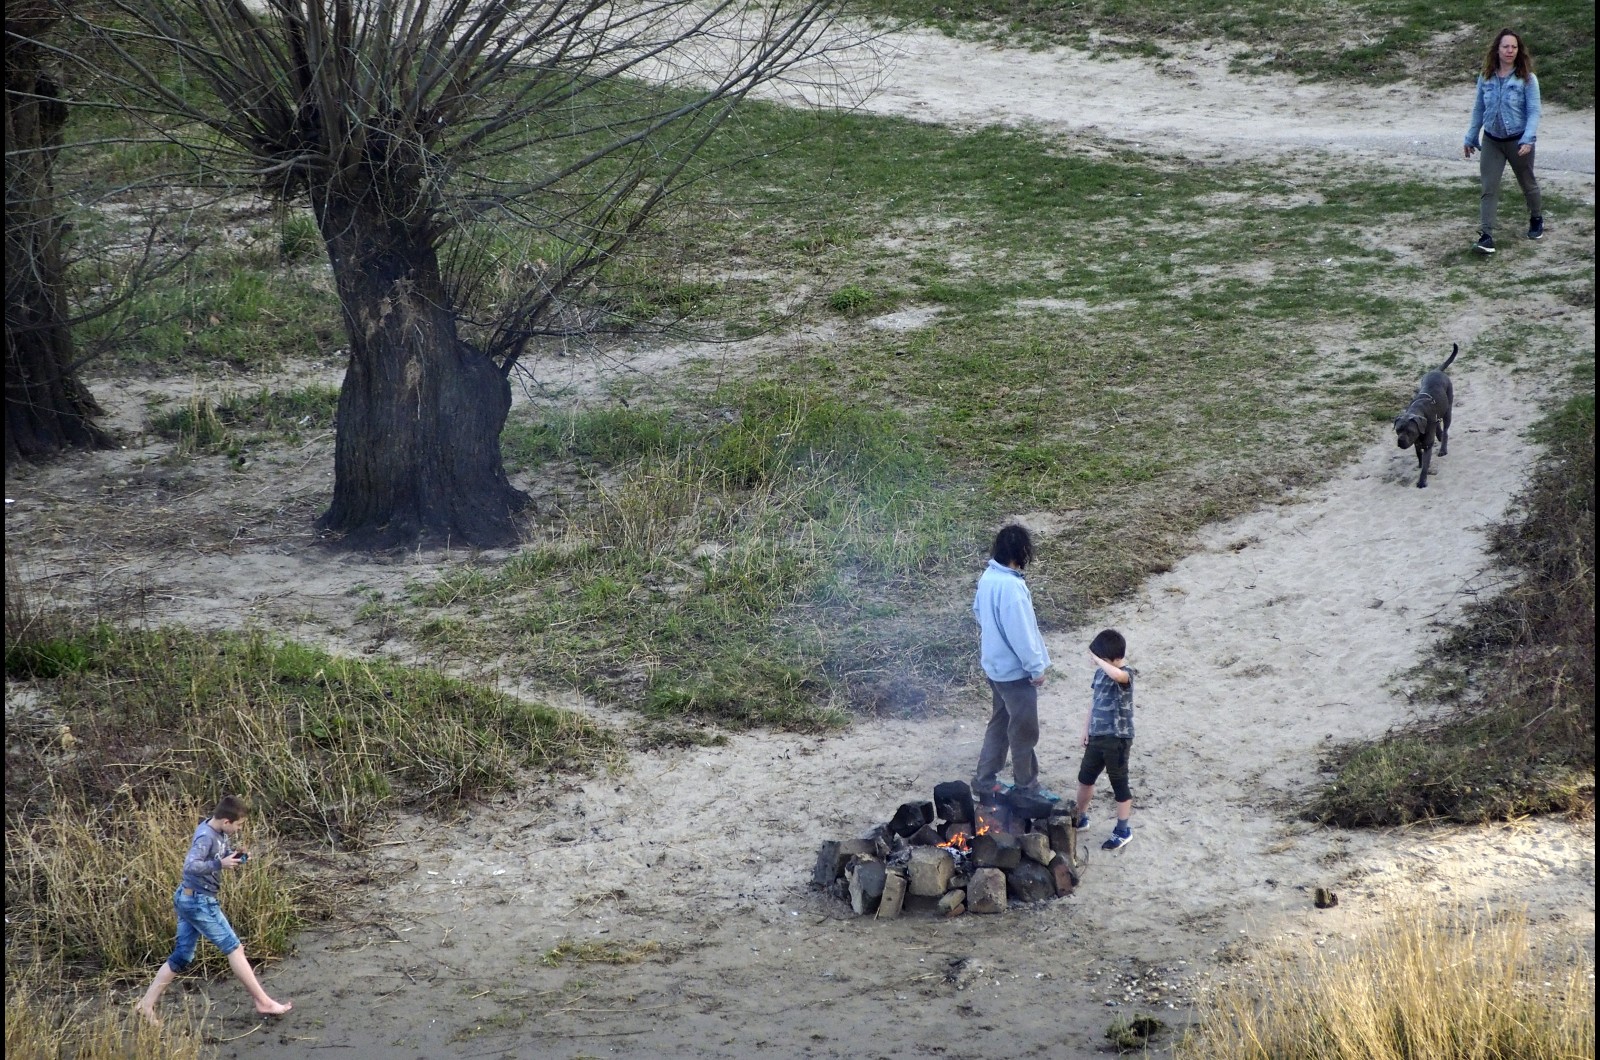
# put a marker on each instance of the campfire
(955, 855)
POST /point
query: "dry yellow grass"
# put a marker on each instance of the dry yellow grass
(1426, 985)
(38, 1028)
(90, 890)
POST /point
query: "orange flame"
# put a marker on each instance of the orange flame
(961, 842)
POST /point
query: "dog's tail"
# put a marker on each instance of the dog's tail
(1455, 348)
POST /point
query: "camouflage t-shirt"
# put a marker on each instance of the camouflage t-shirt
(1112, 713)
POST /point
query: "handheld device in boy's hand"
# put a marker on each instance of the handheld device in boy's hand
(242, 855)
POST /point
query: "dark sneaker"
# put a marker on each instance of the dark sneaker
(1081, 823)
(1536, 228)
(1485, 244)
(989, 790)
(1117, 841)
(1039, 793)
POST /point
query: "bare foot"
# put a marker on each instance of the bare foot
(149, 1014)
(274, 1008)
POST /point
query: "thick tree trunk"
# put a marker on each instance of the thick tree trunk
(417, 455)
(47, 408)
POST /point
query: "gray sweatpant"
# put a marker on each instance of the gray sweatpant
(1013, 726)
(1493, 156)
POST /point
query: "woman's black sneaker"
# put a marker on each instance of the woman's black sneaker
(1485, 243)
(1536, 228)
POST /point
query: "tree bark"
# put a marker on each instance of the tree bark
(417, 455)
(47, 408)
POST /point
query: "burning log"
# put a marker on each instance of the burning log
(984, 853)
(993, 818)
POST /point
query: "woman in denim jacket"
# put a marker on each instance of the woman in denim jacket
(1506, 112)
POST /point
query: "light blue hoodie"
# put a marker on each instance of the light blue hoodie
(1012, 647)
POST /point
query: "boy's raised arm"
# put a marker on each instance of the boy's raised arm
(1116, 673)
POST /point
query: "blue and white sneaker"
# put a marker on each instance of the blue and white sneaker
(1118, 840)
(1081, 823)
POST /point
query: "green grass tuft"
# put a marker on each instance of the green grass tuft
(323, 745)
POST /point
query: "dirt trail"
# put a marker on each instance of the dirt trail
(1283, 629)
(1191, 105)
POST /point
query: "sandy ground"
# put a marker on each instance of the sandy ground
(1282, 632)
(1190, 104)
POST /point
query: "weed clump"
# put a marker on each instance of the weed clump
(43, 1027)
(1130, 1033)
(1426, 984)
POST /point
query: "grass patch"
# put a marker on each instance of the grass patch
(756, 564)
(40, 1026)
(232, 424)
(599, 952)
(1371, 41)
(321, 745)
(234, 306)
(1428, 984)
(1518, 670)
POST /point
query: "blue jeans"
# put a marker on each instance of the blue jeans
(199, 914)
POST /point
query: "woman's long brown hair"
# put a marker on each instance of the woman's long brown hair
(1522, 67)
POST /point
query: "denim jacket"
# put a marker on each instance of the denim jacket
(202, 868)
(1505, 106)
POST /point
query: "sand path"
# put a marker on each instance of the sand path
(1191, 104)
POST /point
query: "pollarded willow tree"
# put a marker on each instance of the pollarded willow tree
(47, 407)
(423, 132)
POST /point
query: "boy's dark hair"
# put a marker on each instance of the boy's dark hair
(1109, 645)
(230, 808)
(1012, 545)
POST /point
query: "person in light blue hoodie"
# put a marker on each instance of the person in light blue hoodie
(1505, 124)
(1014, 660)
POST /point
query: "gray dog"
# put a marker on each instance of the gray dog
(1428, 416)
